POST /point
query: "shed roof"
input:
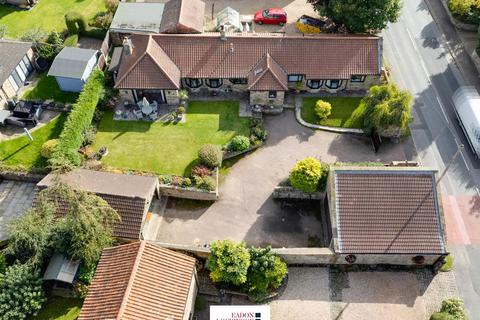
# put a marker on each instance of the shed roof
(140, 281)
(138, 16)
(183, 16)
(129, 195)
(71, 62)
(60, 268)
(386, 210)
(11, 53)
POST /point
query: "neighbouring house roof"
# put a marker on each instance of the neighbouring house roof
(386, 211)
(207, 56)
(129, 195)
(139, 281)
(11, 53)
(183, 16)
(60, 268)
(116, 58)
(71, 62)
(148, 67)
(267, 75)
(137, 16)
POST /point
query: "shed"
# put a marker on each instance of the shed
(72, 67)
(62, 269)
(137, 17)
(229, 18)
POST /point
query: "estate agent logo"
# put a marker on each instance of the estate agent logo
(239, 312)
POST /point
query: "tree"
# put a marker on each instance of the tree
(323, 109)
(87, 227)
(266, 271)
(308, 175)
(386, 109)
(21, 292)
(31, 233)
(360, 16)
(228, 262)
(452, 309)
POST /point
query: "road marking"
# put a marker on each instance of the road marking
(422, 63)
(441, 107)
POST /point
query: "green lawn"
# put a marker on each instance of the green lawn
(20, 151)
(47, 14)
(342, 111)
(169, 148)
(47, 89)
(58, 308)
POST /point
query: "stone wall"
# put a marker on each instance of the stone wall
(172, 97)
(261, 97)
(187, 193)
(287, 192)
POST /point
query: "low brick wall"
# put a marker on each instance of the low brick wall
(228, 154)
(187, 193)
(287, 192)
(456, 22)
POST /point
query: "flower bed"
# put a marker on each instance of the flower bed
(186, 188)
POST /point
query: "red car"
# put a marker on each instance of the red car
(271, 16)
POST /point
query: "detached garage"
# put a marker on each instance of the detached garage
(72, 67)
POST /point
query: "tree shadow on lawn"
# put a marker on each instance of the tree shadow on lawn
(6, 9)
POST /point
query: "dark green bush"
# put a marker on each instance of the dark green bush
(66, 153)
(260, 133)
(210, 155)
(239, 143)
(76, 22)
(86, 273)
(95, 33)
(3, 262)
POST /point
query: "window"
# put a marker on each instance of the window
(314, 84)
(193, 82)
(238, 80)
(333, 84)
(357, 78)
(272, 94)
(214, 83)
(265, 13)
(295, 78)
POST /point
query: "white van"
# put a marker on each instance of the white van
(466, 101)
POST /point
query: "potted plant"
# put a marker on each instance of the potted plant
(180, 112)
(183, 96)
(298, 86)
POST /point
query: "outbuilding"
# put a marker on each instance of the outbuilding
(72, 67)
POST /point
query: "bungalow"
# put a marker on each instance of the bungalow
(385, 215)
(130, 195)
(142, 281)
(265, 65)
(15, 66)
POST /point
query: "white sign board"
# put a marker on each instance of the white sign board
(240, 312)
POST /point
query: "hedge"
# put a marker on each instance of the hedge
(71, 138)
(77, 24)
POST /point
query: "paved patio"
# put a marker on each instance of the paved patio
(246, 210)
(15, 198)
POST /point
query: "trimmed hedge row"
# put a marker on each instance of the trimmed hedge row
(66, 152)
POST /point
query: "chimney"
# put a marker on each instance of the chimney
(232, 49)
(222, 33)
(127, 46)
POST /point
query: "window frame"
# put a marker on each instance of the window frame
(188, 82)
(328, 83)
(298, 76)
(272, 94)
(362, 78)
(208, 83)
(238, 80)
(309, 83)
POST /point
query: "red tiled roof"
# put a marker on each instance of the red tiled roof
(267, 75)
(141, 281)
(183, 16)
(385, 211)
(207, 56)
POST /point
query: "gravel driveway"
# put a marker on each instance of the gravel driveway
(246, 210)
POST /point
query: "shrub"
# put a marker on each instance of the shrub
(3, 263)
(210, 155)
(228, 262)
(103, 21)
(177, 181)
(448, 264)
(187, 182)
(306, 175)
(452, 309)
(323, 109)
(111, 5)
(89, 136)
(207, 183)
(181, 110)
(75, 22)
(266, 272)
(465, 10)
(34, 35)
(201, 171)
(239, 143)
(165, 179)
(71, 138)
(260, 133)
(86, 273)
(48, 147)
(21, 292)
(71, 41)
(183, 94)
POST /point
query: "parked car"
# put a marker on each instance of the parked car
(466, 101)
(271, 16)
(307, 24)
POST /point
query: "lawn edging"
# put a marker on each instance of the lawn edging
(298, 116)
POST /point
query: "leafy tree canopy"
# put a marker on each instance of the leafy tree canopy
(228, 262)
(360, 16)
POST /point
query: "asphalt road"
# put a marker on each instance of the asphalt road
(420, 61)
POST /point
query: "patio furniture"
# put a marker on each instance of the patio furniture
(4, 114)
(147, 109)
(153, 116)
(138, 113)
(154, 106)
